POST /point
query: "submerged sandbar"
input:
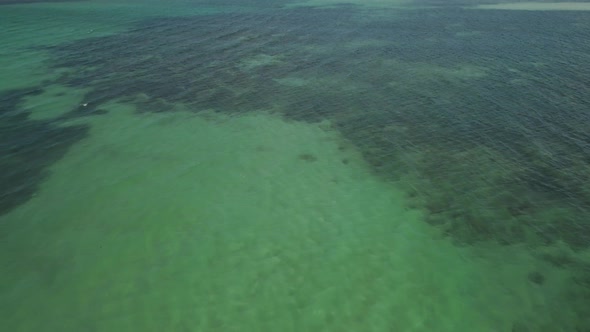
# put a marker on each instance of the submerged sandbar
(538, 6)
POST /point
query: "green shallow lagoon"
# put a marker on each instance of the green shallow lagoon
(137, 230)
(219, 167)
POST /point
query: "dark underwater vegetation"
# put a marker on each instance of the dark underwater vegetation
(483, 117)
(27, 147)
(483, 114)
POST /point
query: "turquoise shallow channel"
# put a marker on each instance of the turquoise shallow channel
(294, 166)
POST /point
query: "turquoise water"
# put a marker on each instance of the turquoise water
(293, 166)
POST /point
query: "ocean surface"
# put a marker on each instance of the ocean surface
(297, 166)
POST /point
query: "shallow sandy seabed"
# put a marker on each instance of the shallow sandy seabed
(539, 6)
